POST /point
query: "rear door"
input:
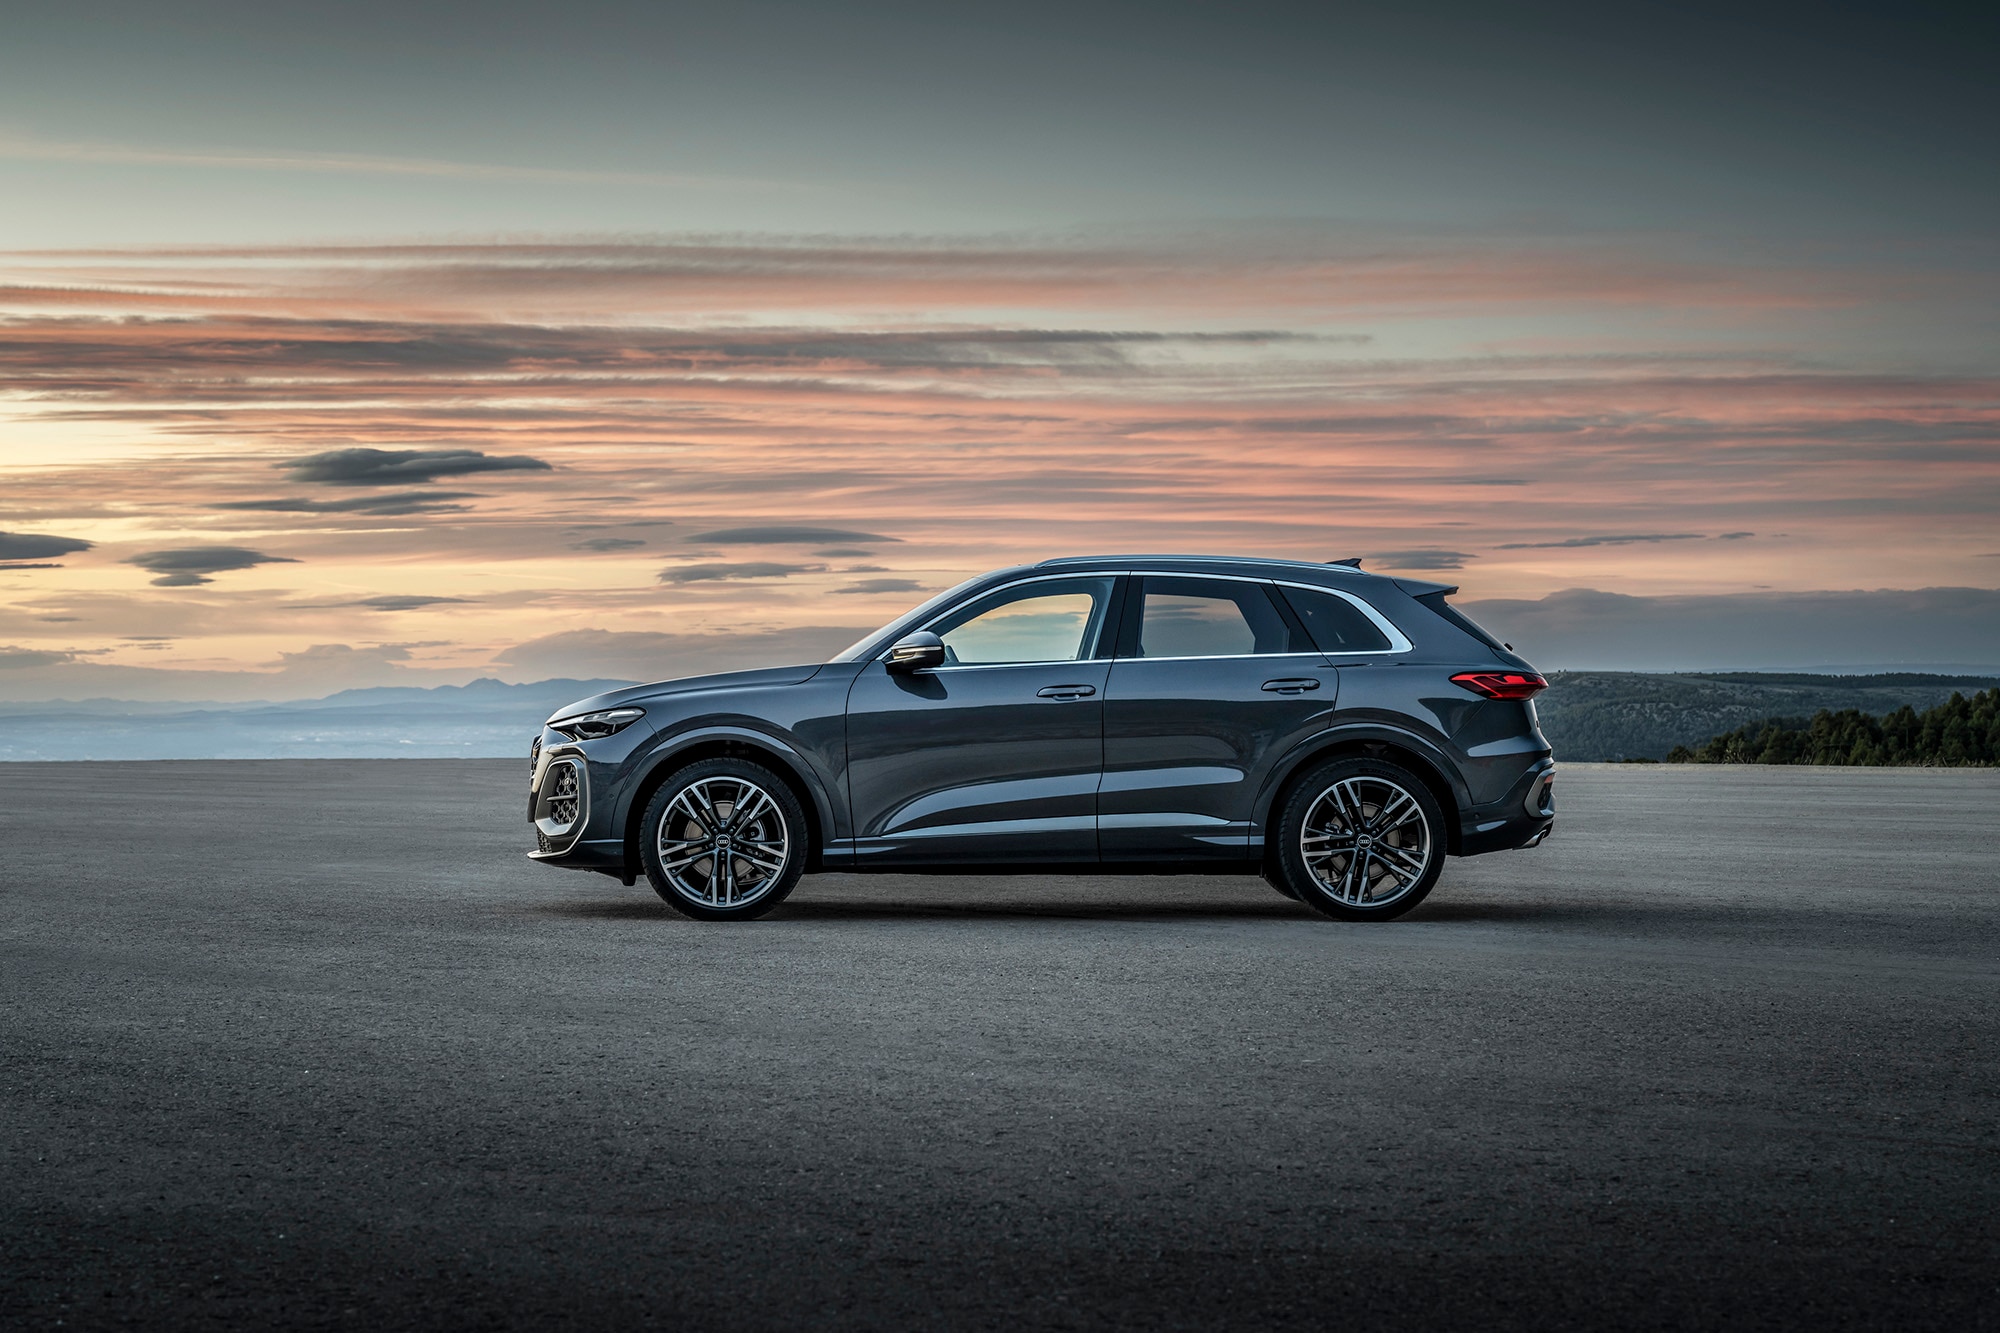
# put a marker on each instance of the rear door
(1215, 679)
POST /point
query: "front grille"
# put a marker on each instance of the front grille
(563, 800)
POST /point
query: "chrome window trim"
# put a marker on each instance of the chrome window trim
(1313, 656)
(1399, 642)
(1009, 666)
(1113, 574)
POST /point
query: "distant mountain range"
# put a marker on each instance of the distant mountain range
(1587, 715)
(485, 719)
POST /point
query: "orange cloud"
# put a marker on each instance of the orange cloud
(947, 407)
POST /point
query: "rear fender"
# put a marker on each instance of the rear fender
(1394, 744)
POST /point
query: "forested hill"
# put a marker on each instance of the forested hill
(1610, 715)
(1958, 732)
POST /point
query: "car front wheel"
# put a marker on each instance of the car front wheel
(1361, 839)
(723, 840)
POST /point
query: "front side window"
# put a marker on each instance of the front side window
(1051, 621)
(1209, 618)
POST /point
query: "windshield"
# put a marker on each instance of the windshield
(857, 650)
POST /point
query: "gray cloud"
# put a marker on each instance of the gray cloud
(881, 585)
(602, 544)
(343, 653)
(1428, 557)
(774, 534)
(843, 552)
(402, 602)
(38, 546)
(1733, 536)
(312, 356)
(402, 502)
(186, 566)
(1581, 628)
(32, 564)
(19, 659)
(392, 467)
(746, 569)
(649, 656)
(1619, 539)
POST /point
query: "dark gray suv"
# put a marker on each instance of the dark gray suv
(1338, 732)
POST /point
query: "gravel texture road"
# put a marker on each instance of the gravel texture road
(311, 1044)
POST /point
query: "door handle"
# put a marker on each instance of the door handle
(1065, 691)
(1292, 685)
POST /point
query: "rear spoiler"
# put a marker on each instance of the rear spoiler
(1419, 588)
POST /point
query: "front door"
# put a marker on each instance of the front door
(1214, 681)
(994, 756)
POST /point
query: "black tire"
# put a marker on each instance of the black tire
(1378, 838)
(1276, 879)
(751, 877)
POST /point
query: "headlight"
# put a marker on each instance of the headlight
(595, 726)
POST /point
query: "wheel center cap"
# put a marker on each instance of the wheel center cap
(723, 842)
(1364, 841)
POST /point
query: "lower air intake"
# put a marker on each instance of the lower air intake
(564, 795)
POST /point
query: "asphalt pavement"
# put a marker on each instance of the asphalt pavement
(310, 1043)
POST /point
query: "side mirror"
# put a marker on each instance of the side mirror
(915, 651)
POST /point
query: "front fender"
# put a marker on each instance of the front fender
(668, 750)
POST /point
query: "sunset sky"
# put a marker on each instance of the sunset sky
(364, 344)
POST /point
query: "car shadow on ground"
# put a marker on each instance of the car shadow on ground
(1664, 918)
(883, 910)
(1071, 904)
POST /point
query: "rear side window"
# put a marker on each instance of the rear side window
(1336, 624)
(1208, 618)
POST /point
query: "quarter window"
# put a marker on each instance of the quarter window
(1209, 618)
(1336, 624)
(1036, 622)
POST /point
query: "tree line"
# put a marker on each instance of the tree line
(1956, 733)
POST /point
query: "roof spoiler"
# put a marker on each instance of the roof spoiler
(1419, 588)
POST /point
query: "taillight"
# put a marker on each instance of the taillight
(1501, 684)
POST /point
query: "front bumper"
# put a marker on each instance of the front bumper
(558, 798)
(602, 854)
(559, 807)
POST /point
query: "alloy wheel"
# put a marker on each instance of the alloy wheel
(1366, 841)
(723, 842)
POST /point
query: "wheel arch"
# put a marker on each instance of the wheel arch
(1373, 743)
(733, 743)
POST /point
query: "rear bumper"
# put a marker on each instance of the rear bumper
(1511, 835)
(1523, 818)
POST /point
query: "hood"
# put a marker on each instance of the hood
(727, 680)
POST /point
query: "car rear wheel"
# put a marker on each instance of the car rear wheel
(723, 840)
(1361, 839)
